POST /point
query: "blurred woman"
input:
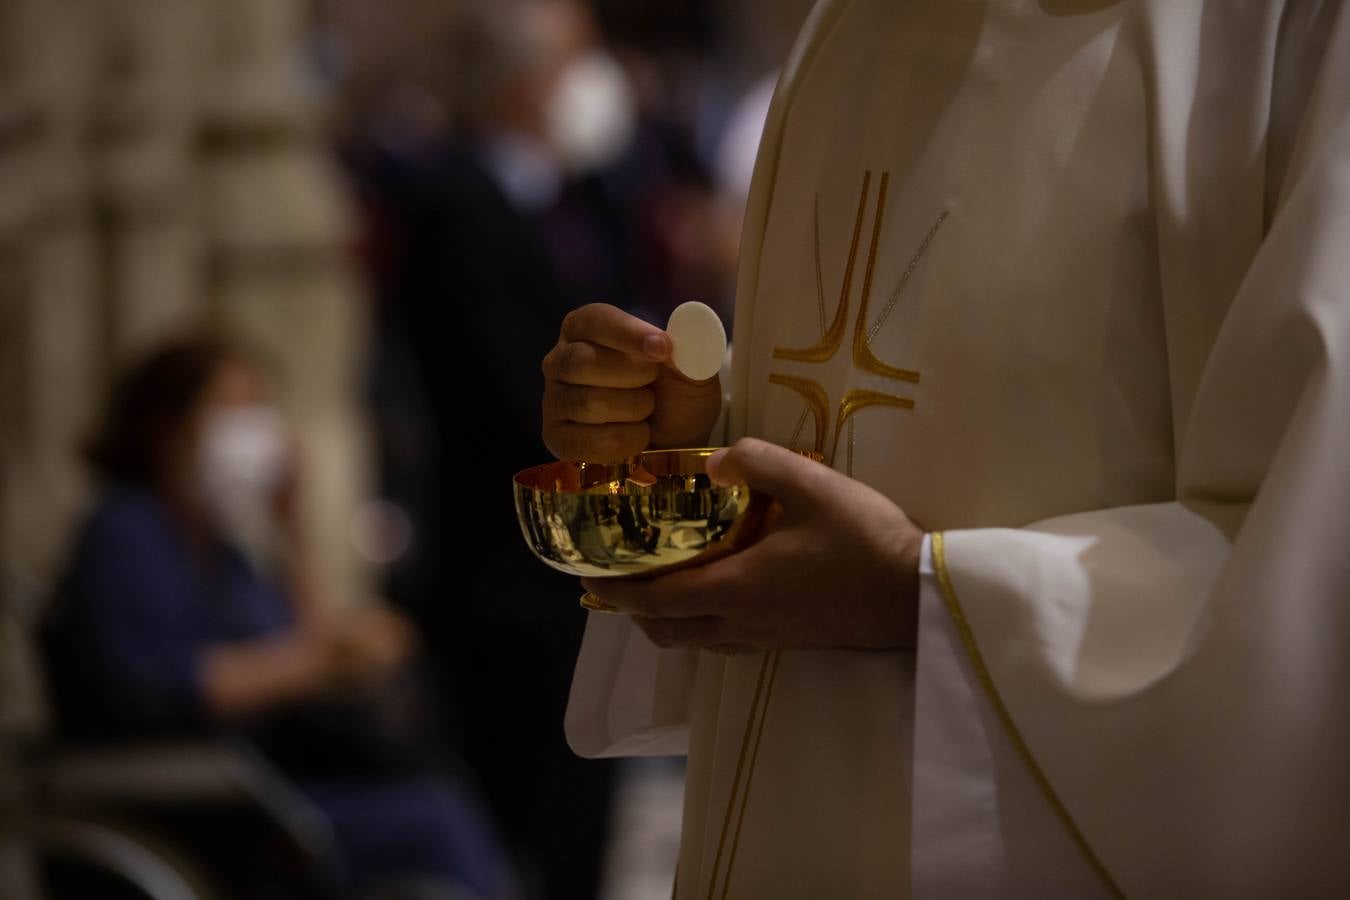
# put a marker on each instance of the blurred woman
(164, 627)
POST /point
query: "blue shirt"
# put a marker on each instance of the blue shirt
(137, 610)
(135, 613)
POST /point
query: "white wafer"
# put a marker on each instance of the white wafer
(698, 340)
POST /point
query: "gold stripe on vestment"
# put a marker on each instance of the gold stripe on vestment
(746, 742)
(817, 402)
(824, 349)
(750, 773)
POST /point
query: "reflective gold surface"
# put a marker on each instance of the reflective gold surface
(656, 511)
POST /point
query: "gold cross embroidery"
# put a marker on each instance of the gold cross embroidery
(832, 337)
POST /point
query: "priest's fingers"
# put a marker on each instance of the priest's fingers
(609, 326)
(700, 631)
(596, 443)
(689, 593)
(581, 362)
(596, 405)
(780, 473)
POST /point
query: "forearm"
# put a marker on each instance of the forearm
(249, 677)
(301, 581)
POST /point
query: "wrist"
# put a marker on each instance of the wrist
(682, 441)
(686, 411)
(318, 657)
(904, 578)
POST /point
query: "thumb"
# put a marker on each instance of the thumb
(783, 474)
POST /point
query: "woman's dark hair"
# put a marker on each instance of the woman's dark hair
(150, 402)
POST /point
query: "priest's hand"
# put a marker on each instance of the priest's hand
(836, 566)
(610, 391)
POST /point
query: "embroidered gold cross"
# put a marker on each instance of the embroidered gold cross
(832, 337)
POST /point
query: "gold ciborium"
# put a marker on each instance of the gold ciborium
(654, 513)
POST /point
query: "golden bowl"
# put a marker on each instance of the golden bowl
(653, 513)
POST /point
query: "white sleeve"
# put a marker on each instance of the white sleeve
(1172, 673)
(629, 697)
(981, 827)
(955, 822)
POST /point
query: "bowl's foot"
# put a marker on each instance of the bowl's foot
(595, 604)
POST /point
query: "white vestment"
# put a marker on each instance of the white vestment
(1069, 281)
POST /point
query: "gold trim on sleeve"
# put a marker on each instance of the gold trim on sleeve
(986, 679)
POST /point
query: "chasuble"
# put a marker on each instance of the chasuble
(1068, 281)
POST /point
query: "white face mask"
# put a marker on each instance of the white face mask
(592, 113)
(240, 465)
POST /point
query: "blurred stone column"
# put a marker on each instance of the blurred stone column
(278, 234)
(45, 281)
(48, 342)
(142, 143)
(160, 161)
(163, 162)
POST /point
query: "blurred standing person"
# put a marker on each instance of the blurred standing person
(588, 148)
(163, 627)
(734, 168)
(552, 117)
(479, 241)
